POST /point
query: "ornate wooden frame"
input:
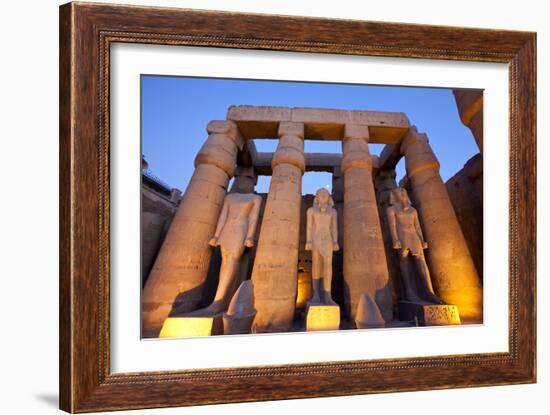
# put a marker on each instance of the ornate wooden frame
(86, 33)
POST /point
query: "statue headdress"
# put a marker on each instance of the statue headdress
(316, 200)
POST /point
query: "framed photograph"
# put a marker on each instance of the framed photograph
(259, 207)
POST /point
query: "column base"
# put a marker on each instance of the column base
(322, 317)
(429, 314)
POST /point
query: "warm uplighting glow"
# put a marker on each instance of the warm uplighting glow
(441, 315)
(187, 327)
(323, 317)
(304, 290)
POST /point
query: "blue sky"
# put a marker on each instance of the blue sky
(176, 110)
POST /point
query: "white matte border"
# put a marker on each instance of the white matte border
(130, 354)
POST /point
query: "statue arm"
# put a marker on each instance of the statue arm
(220, 225)
(309, 224)
(253, 221)
(392, 224)
(334, 230)
(419, 230)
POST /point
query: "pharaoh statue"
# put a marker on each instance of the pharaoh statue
(322, 241)
(234, 232)
(408, 239)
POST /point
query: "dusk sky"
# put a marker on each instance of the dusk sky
(176, 110)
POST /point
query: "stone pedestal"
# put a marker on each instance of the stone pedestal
(368, 314)
(240, 314)
(322, 317)
(429, 314)
(176, 280)
(452, 269)
(276, 264)
(192, 326)
(365, 267)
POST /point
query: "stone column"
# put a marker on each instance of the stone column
(451, 266)
(276, 265)
(338, 256)
(384, 182)
(365, 268)
(470, 107)
(180, 270)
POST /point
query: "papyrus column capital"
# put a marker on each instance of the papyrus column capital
(356, 148)
(418, 153)
(221, 147)
(291, 146)
(229, 128)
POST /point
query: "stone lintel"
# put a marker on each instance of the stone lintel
(356, 131)
(319, 123)
(291, 128)
(314, 162)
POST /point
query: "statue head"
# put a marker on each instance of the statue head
(245, 180)
(323, 199)
(399, 196)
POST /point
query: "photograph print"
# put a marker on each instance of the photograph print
(274, 206)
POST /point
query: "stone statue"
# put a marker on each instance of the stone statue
(234, 232)
(322, 240)
(407, 237)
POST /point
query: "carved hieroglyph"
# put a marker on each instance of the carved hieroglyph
(452, 269)
(408, 239)
(181, 266)
(276, 264)
(365, 269)
(322, 241)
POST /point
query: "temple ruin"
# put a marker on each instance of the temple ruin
(273, 280)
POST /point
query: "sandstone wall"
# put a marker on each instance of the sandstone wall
(465, 190)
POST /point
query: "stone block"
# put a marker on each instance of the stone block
(177, 327)
(258, 113)
(429, 314)
(322, 317)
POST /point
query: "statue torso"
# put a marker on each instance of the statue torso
(406, 230)
(321, 235)
(234, 231)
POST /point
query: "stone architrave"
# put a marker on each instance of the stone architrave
(276, 265)
(452, 269)
(365, 268)
(179, 272)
